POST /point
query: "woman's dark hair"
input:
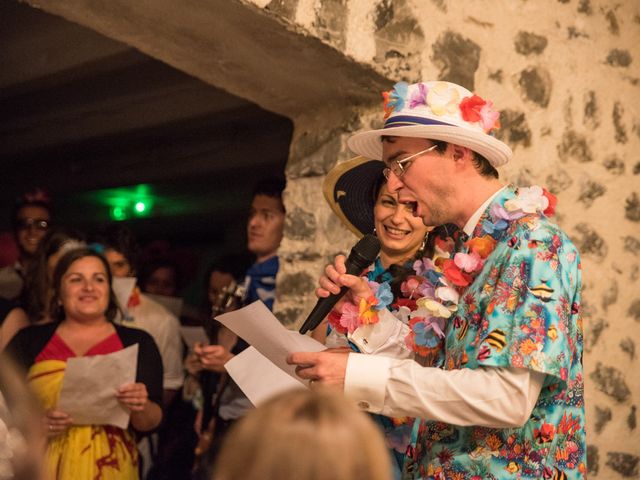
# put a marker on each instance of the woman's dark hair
(149, 268)
(235, 264)
(35, 295)
(120, 238)
(57, 312)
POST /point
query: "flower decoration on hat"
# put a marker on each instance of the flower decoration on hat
(394, 98)
(474, 109)
(443, 99)
(419, 97)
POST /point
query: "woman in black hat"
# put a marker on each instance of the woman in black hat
(357, 192)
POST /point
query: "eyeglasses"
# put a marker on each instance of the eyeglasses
(32, 223)
(400, 167)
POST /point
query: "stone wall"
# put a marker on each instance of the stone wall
(566, 75)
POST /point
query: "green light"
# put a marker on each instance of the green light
(118, 213)
(140, 207)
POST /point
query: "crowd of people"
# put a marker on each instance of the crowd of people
(71, 295)
(463, 340)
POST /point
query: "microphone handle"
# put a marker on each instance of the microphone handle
(321, 310)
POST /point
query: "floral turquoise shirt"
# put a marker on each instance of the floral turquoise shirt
(522, 310)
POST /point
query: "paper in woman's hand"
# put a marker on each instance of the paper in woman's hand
(89, 387)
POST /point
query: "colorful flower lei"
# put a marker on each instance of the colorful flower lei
(430, 297)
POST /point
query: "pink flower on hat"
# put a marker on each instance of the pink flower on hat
(475, 109)
(489, 117)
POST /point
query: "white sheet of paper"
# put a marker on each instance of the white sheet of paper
(89, 387)
(258, 377)
(173, 304)
(191, 335)
(122, 288)
(260, 328)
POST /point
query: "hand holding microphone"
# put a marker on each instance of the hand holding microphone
(362, 255)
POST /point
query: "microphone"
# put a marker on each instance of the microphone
(362, 255)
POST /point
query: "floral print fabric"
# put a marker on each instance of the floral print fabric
(522, 310)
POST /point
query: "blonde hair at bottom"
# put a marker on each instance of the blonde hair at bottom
(304, 434)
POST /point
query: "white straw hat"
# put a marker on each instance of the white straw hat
(437, 111)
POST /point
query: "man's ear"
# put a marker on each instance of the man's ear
(460, 152)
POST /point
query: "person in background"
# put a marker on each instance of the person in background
(204, 387)
(160, 277)
(83, 308)
(304, 435)
(36, 295)
(31, 218)
(12, 319)
(510, 399)
(265, 227)
(23, 437)
(357, 192)
(38, 289)
(120, 250)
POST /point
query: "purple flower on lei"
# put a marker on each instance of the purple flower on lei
(398, 437)
(501, 218)
(429, 331)
(427, 269)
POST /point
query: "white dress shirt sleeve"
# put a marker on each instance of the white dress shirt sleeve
(486, 397)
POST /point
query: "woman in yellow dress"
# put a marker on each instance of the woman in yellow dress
(83, 307)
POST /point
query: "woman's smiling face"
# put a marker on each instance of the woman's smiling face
(400, 233)
(84, 289)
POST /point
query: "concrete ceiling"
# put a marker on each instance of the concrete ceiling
(80, 113)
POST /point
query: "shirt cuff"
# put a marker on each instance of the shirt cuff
(386, 337)
(366, 380)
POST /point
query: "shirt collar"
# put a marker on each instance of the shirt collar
(473, 220)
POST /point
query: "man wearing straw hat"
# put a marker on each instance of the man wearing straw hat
(509, 401)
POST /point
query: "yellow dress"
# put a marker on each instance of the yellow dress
(82, 452)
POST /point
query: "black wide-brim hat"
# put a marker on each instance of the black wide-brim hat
(349, 188)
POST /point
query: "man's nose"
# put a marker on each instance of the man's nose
(394, 183)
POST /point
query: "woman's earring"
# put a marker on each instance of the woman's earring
(375, 232)
(424, 242)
